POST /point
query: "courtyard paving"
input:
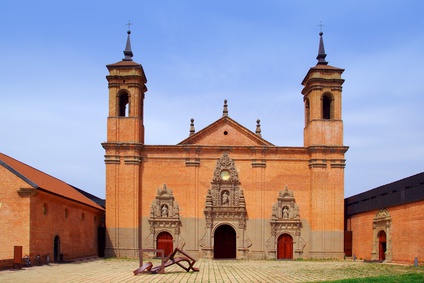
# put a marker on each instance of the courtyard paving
(121, 270)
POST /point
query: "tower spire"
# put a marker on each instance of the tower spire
(127, 52)
(321, 52)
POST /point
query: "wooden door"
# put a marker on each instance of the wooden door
(165, 242)
(382, 245)
(285, 247)
(224, 242)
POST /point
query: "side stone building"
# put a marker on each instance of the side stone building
(225, 191)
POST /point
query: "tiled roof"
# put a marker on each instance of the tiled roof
(40, 180)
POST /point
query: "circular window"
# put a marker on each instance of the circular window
(225, 175)
(225, 133)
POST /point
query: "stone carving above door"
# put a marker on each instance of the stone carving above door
(164, 216)
(225, 204)
(285, 219)
(285, 208)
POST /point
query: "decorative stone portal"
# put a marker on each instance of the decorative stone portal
(164, 221)
(382, 244)
(285, 228)
(226, 206)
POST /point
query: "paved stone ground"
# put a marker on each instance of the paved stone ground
(120, 270)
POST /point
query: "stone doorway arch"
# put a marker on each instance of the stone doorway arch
(285, 247)
(382, 247)
(225, 245)
(164, 219)
(285, 220)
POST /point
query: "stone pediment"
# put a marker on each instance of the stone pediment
(225, 132)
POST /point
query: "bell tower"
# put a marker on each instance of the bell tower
(125, 140)
(322, 96)
(323, 140)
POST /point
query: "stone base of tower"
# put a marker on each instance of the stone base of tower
(122, 253)
(327, 245)
(122, 243)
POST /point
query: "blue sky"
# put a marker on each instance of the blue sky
(195, 54)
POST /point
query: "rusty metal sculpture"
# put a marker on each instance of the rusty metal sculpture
(165, 262)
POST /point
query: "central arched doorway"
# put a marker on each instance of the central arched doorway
(165, 242)
(224, 245)
(382, 245)
(285, 247)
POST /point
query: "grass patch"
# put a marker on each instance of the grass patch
(403, 278)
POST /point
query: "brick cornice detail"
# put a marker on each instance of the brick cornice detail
(260, 163)
(317, 163)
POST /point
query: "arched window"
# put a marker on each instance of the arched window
(123, 105)
(326, 107)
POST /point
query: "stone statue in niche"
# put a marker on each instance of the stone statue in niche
(225, 199)
(285, 212)
(164, 211)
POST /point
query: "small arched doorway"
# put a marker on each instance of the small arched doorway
(56, 249)
(165, 242)
(285, 247)
(382, 245)
(224, 245)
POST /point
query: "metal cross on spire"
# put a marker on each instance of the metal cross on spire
(129, 25)
(127, 52)
(320, 26)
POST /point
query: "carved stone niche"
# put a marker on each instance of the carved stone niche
(285, 219)
(164, 217)
(225, 204)
(382, 223)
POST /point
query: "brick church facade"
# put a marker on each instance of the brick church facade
(225, 191)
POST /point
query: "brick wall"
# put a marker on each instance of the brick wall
(407, 237)
(14, 216)
(32, 220)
